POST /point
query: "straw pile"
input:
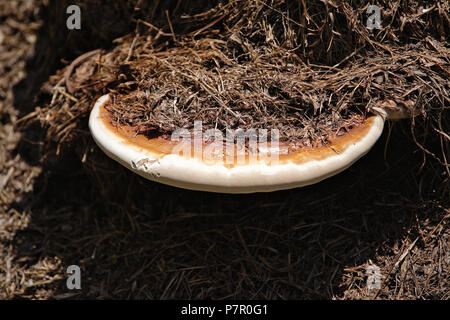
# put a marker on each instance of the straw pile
(306, 69)
(135, 239)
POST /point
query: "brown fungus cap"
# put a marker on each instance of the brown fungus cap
(194, 164)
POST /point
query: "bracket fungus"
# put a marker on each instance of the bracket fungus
(188, 164)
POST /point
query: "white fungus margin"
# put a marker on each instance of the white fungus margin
(193, 174)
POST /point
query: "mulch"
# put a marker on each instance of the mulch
(63, 202)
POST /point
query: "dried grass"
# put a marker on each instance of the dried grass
(306, 70)
(135, 239)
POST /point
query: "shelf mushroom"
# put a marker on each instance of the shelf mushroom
(173, 162)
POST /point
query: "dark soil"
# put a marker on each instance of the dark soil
(63, 202)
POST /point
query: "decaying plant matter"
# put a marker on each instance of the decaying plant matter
(305, 68)
(135, 239)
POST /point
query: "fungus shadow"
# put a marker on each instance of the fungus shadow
(137, 239)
